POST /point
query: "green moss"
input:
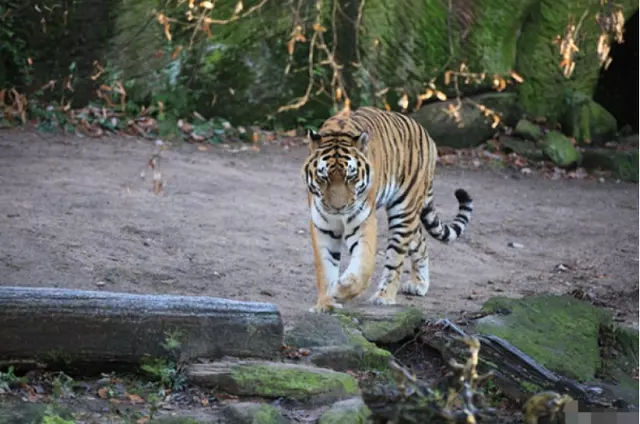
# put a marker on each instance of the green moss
(492, 39)
(394, 329)
(559, 332)
(587, 121)
(623, 164)
(262, 380)
(546, 91)
(619, 353)
(528, 130)
(414, 41)
(559, 149)
(372, 356)
(340, 416)
(347, 411)
(267, 414)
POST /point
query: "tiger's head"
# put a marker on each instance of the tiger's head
(337, 171)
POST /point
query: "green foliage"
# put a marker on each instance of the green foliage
(165, 372)
(9, 378)
(14, 66)
(52, 418)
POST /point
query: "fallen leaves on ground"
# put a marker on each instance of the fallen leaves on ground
(296, 353)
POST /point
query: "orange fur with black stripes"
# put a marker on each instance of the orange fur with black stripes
(359, 162)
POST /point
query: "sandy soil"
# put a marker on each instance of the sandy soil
(75, 213)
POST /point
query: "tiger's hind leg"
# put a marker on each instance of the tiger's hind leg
(419, 283)
(402, 227)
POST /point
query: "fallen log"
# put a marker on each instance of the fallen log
(515, 373)
(48, 325)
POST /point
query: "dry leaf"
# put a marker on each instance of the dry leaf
(206, 5)
(441, 96)
(143, 420)
(319, 28)
(404, 101)
(239, 7)
(516, 77)
(203, 148)
(103, 392)
(134, 398)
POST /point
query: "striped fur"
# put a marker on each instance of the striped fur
(359, 162)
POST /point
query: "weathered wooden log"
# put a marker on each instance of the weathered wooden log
(45, 325)
(516, 373)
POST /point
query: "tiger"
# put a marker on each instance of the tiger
(360, 161)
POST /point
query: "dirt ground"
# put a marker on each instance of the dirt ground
(75, 213)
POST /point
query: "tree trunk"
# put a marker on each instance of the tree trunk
(48, 325)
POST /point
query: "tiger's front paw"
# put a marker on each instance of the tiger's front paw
(347, 287)
(325, 305)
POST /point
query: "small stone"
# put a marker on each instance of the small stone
(253, 413)
(352, 411)
(100, 283)
(526, 171)
(528, 130)
(515, 245)
(560, 149)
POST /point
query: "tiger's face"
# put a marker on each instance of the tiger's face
(337, 172)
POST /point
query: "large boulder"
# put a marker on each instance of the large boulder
(474, 128)
(587, 121)
(624, 164)
(559, 332)
(546, 89)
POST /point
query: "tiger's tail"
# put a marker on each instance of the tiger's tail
(449, 232)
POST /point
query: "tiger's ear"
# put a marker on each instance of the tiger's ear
(362, 141)
(313, 137)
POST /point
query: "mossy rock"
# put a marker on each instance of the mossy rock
(619, 356)
(33, 413)
(623, 164)
(492, 41)
(335, 342)
(559, 332)
(528, 130)
(527, 148)
(175, 420)
(275, 380)
(546, 91)
(587, 121)
(253, 413)
(351, 411)
(389, 324)
(474, 128)
(559, 149)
